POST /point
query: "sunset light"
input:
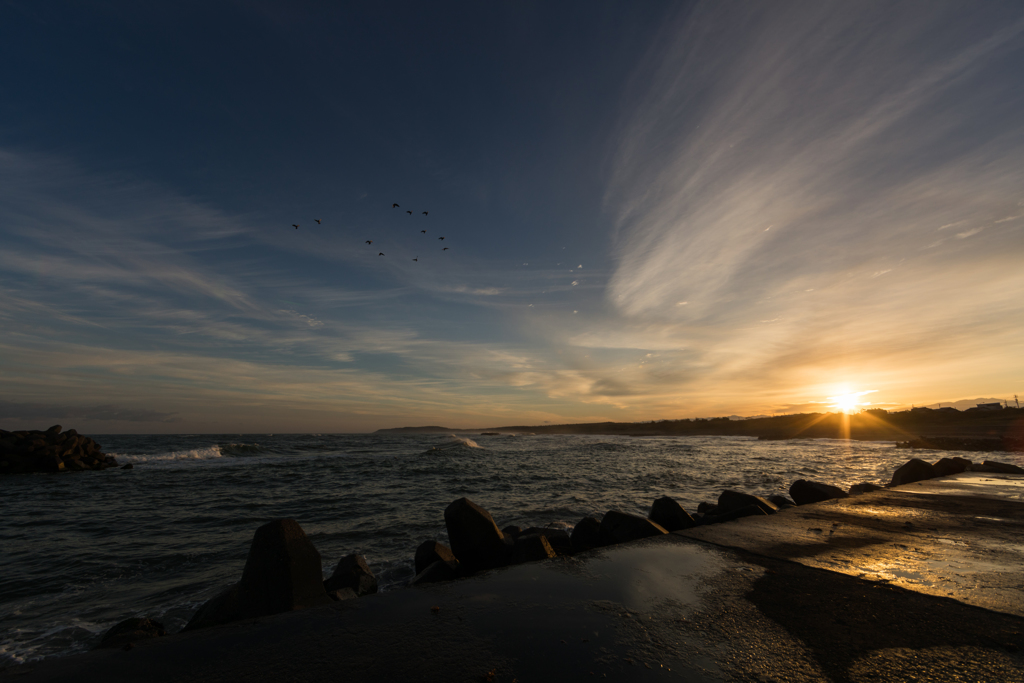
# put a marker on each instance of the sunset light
(849, 403)
(467, 303)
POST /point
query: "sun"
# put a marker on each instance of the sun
(847, 403)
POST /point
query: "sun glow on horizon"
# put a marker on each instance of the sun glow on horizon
(849, 403)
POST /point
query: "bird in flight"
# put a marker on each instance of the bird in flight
(440, 238)
(295, 226)
(445, 249)
(369, 241)
(394, 206)
(380, 254)
(409, 212)
(424, 213)
(423, 231)
(415, 259)
(317, 221)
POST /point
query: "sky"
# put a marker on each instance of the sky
(653, 210)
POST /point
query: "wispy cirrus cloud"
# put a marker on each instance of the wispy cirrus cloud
(847, 143)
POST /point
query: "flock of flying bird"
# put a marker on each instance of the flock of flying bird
(393, 206)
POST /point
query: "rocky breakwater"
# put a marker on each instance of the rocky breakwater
(477, 544)
(283, 571)
(52, 450)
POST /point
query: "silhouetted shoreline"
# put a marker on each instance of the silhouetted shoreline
(872, 425)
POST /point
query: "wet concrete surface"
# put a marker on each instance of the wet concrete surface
(960, 537)
(666, 608)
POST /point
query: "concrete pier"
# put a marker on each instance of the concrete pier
(922, 582)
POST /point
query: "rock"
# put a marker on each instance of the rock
(220, 609)
(530, 547)
(703, 507)
(745, 511)
(948, 466)
(804, 492)
(475, 538)
(511, 531)
(1002, 467)
(430, 552)
(586, 534)
(49, 451)
(47, 463)
(131, 630)
(780, 501)
(437, 571)
(559, 539)
(731, 500)
(352, 572)
(913, 470)
(864, 488)
(619, 527)
(282, 573)
(129, 466)
(342, 594)
(669, 514)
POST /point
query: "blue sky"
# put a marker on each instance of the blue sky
(652, 210)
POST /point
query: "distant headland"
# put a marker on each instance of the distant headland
(912, 426)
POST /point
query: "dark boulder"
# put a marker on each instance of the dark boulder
(476, 540)
(947, 466)
(222, 608)
(864, 488)
(283, 572)
(731, 500)
(619, 527)
(804, 492)
(780, 501)
(913, 470)
(352, 572)
(703, 507)
(430, 552)
(745, 511)
(586, 534)
(1002, 467)
(438, 571)
(129, 466)
(511, 531)
(47, 462)
(530, 547)
(131, 630)
(668, 513)
(559, 539)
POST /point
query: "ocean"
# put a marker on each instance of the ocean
(82, 551)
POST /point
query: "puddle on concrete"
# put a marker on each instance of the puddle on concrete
(637, 577)
(893, 573)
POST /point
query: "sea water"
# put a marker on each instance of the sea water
(81, 551)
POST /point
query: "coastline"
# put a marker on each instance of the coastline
(1006, 424)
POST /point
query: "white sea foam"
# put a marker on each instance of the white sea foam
(207, 453)
(465, 441)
